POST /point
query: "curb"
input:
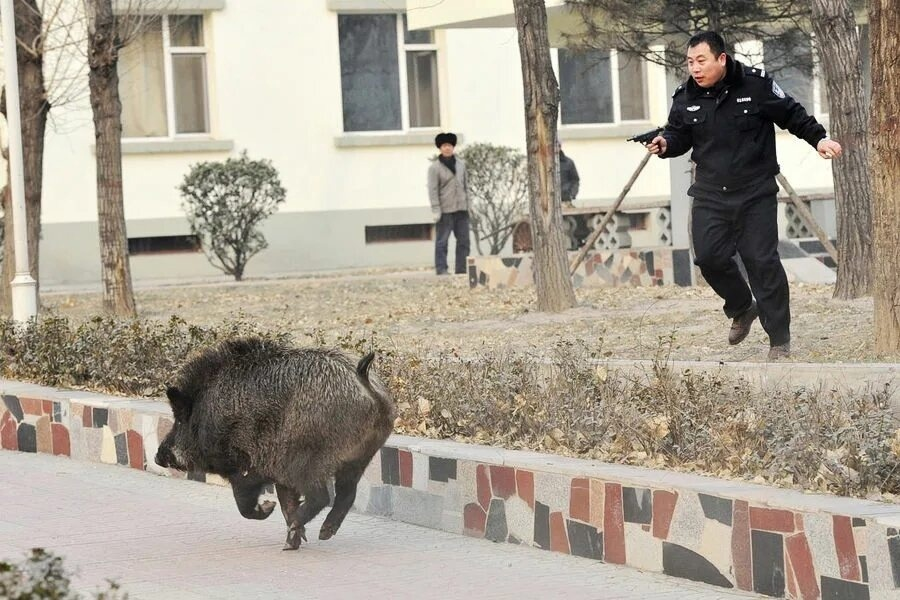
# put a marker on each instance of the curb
(731, 534)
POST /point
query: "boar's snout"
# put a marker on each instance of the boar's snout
(166, 458)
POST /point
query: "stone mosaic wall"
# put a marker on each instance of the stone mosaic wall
(728, 534)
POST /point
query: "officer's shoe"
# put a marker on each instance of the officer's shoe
(740, 326)
(780, 352)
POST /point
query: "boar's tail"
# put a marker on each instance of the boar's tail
(375, 389)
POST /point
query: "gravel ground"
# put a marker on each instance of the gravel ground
(416, 311)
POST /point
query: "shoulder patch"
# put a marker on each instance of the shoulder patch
(776, 89)
(678, 90)
(756, 71)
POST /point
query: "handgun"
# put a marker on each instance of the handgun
(647, 137)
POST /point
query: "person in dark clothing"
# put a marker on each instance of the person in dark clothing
(725, 112)
(568, 178)
(448, 194)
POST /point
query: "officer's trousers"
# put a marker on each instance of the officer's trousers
(743, 222)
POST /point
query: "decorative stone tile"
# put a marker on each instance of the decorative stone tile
(122, 449)
(113, 420)
(559, 539)
(100, 416)
(678, 561)
(716, 508)
(520, 520)
(894, 555)
(26, 438)
(8, 437)
(108, 449)
(406, 466)
(125, 420)
(57, 414)
(47, 408)
(687, 520)
(441, 469)
(503, 481)
(135, 447)
(474, 520)
(466, 478)
(525, 486)
(864, 569)
(542, 525)
(580, 500)
(860, 539)
(380, 501)
(44, 435)
(771, 519)
(740, 546)
(31, 406)
(638, 505)
(837, 589)
(848, 560)
(585, 540)
(644, 551)
(496, 529)
(801, 567)
(419, 508)
(819, 530)
(791, 580)
(15, 407)
(61, 444)
(768, 563)
(613, 525)
(715, 545)
(420, 471)
(91, 440)
(663, 509)
(597, 494)
(390, 466)
(552, 489)
(87, 415)
(484, 486)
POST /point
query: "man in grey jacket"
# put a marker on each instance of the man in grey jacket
(449, 203)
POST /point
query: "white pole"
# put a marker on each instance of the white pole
(24, 287)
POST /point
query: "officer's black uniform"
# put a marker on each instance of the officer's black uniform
(730, 128)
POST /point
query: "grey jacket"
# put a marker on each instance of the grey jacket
(446, 191)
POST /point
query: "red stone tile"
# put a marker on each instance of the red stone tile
(135, 449)
(801, 567)
(791, 582)
(597, 494)
(474, 519)
(30, 406)
(740, 546)
(663, 509)
(771, 519)
(613, 525)
(405, 467)
(87, 417)
(9, 440)
(44, 436)
(47, 407)
(846, 548)
(503, 481)
(525, 486)
(798, 522)
(559, 538)
(580, 500)
(484, 486)
(61, 444)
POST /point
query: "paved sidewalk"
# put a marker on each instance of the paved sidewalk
(172, 539)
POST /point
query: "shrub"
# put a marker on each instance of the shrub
(225, 202)
(42, 576)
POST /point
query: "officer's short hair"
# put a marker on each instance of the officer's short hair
(715, 41)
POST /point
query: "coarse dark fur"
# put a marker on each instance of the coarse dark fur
(257, 412)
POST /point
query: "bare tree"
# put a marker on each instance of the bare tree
(884, 22)
(541, 91)
(497, 180)
(837, 40)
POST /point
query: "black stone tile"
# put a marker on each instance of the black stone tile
(857, 522)
(610, 260)
(638, 505)
(718, 509)
(768, 563)
(513, 540)
(681, 267)
(647, 257)
(585, 540)
(27, 437)
(788, 249)
(894, 550)
(482, 278)
(678, 561)
(864, 567)
(57, 412)
(473, 276)
(839, 589)
(15, 407)
(441, 469)
(495, 529)
(101, 416)
(390, 466)
(121, 449)
(511, 261)
(891, 531)
(196, 476)
(542, 525)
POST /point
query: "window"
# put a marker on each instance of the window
(791, 61)
(163, 80)
(163, 244)
(378, 234)
(601, 86)
(389, 78)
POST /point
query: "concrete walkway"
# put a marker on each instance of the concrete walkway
(172, 539)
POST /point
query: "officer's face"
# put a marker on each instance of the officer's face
(706, 68)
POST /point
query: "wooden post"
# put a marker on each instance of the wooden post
(808, 219)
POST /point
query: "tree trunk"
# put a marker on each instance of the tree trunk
(35, 107)
(103, 80)
(551, 273)
(884, 22)
(838, 44)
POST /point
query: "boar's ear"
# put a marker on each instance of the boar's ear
(181, 403)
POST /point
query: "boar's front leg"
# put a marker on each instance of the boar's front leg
(289, 498)
(246, 489)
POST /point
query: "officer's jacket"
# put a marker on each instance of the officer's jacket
(730, 126)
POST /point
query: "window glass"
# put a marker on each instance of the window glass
(585, 87)
(142, 84)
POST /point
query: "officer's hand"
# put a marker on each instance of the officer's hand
(436, 216)
(829, 148)
(657, 146)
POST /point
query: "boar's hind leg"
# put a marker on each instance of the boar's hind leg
(246, 491)
(345, 482)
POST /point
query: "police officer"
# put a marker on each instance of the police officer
(726, 112)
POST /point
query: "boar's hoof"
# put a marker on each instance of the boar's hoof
(263, 510)
(295, 534)
(327, 531)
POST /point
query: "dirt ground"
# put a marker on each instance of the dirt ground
(417, 311)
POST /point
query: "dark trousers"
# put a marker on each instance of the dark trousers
(457, 223)
(743, 222)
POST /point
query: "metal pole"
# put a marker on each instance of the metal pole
(23, 286)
